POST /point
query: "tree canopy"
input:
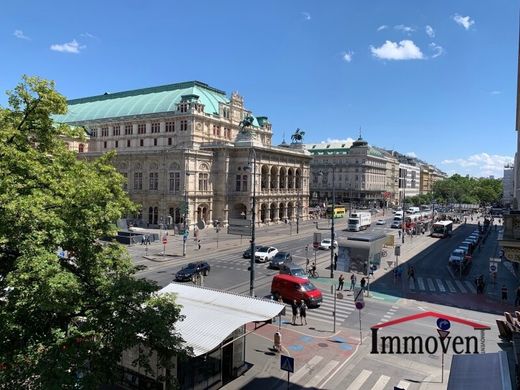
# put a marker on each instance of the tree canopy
(461, 189)
(66, 321)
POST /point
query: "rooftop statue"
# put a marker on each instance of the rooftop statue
(297, 137)
(246, 122)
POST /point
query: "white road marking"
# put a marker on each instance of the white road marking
(358, 382)
(305, 368)
(441, 286)
(411, 284)
(420, 281)
(471, 286)
(431, 286)
(450, 286)
(461, 286)
(403, 385)
(318, 376)
(381, 382)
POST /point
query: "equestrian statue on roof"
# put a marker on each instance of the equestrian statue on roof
(297, 137)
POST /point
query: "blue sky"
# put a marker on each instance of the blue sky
(434, 79)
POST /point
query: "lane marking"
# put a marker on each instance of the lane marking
(471, 286)
(318, 376)
(420, 281)
(451, 287)
(381, 382)
(441, 286)
(403, 385)
(358, 382)
(305, 368)
(431, 286)
(461, 286)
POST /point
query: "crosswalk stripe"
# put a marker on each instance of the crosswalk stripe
(450, 286)
(381, 382)
(471, 286)
(461, 286)
(411, 284)
(318, 376)
(327, 315)
(358, 382)
(338, 304)
(420, 282)
(305, 368)
(441, 286)
(403, 385)
(431, 286)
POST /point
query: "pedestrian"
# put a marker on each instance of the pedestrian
(504, 293)
(294, 307)
(303, 313)
(399, 232)
(341, 280)
(517, 299)
(335, 261)
(143, 240)
(411, 273)
(363, 283)
(198, 243)
(352, 282)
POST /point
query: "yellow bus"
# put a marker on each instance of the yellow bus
(339, 212)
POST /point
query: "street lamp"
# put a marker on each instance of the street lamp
(253, 221)
(404, 196)
(332, 214)
(185, 236)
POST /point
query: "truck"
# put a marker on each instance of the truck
(359, 220)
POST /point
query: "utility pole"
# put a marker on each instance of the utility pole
(332, 235)
(253, 218)
(185, 224)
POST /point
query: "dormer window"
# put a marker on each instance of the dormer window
(183, 107)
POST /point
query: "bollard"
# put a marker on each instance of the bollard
(277, 341)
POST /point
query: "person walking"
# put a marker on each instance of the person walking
(363, 283)
(341, 281)
(303, 312)
(352, 281)
(411, 273)
(294, 307)
(504, 293)
(198, 243)
(517, 299)
(335, 261)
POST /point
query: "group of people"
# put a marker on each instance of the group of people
(353, 281)
(299, 309)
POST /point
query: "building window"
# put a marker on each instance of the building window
(175, 181)
(117, 144)
(93, 133)
(104, 131)
(129, 129)
(169, 141)
(105, 144)
(203, 181)
(239, 181)
(156, 127)
(141, 142)
(184, 125)
(81, 148)
(138, 180)
(117, 130)
(153, 215)
(183, 107)
(155, 142)
(170, 127)
(141, 128)
(154, 181)
(244, 182)
(128, 143)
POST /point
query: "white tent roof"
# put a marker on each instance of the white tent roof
(212, 315)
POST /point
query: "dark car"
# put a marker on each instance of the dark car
(293, 270)
(247, 252)
(280, 259)
(191, 270)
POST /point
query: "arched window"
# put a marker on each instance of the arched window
(150, 215)
(156, 215)
(81, 148)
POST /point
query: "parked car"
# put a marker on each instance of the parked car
(265, 253)
(456, 256)
(396, 225)
(381, 222)
(294, 270)
(290, 287)
(247, 252)
(326, 244)
(192, 269)
(280, 259)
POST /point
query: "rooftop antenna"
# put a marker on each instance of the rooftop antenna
(283, 137)
(360, 132)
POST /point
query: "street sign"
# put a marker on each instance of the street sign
(443, 333)
(443, 324)
(397, 250)
(287, 363)
(165, 240)
(493, 267)
(360, 305)
(495, 259)
(358, 294)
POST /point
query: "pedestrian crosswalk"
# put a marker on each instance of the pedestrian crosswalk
(313, 374)
(436, 285)
(324, 313)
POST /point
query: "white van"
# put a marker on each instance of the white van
(413, 210)
(398, 214)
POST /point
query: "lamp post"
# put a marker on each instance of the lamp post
(404, 196)
(332, 234)
(185, 224)
(253, 218)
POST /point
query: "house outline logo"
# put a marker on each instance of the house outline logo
(430, 345)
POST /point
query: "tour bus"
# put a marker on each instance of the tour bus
(442, 229)
(339, 211)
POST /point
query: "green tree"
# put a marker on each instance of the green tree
(66, 321)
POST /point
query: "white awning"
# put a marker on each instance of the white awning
(212, 315)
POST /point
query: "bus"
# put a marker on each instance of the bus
(442, 229)
(339, 212)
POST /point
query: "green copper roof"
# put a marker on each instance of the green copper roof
(142, 101)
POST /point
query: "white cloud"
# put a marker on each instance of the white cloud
(20, 35)
(404, 50)
(464, 21)
(480, 165)
(405, 29)
(411, 154)
(496, 92)
(88, 35)
(69, 47)
(382, 27)
(347, 56)
(306, 15)
(430, 31)
(437, 50)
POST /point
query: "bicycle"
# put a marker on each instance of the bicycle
(313, 274)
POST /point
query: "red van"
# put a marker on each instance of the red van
(292, 287)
